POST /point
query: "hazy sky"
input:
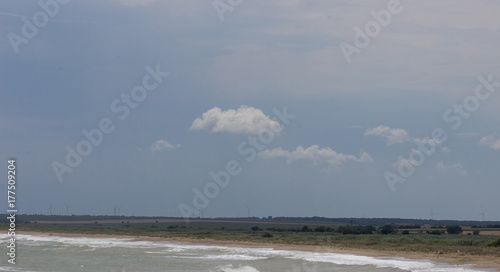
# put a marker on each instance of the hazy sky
(310, 108)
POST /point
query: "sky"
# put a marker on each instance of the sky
(236, 108)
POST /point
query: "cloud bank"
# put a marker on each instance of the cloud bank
(397, 135)
(315, 154)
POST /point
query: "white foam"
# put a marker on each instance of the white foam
(231, 257)
(349, 259)
(86, 242)
(12, 268)
(230, 268)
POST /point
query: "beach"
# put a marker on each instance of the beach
(480, 262)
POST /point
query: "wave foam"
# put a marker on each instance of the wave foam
(230, 268)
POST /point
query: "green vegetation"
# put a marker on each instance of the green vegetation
(387, 229)
(495, 243)
(267, 235)
(454, 229)
(435, 232)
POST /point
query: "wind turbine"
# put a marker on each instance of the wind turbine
(431, 215)
(116, 210)
(482, 215)
(248, 210)
(50, 208)
(67, 208)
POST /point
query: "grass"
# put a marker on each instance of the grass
(495, 243)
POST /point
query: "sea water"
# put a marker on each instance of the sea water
(54, 253)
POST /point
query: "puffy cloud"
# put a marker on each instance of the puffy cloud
(163, 144)
(315, 154)
(455, 167)
(244, 120)
(393, 135)
(491, 142)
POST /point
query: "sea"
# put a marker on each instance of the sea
(54, 253)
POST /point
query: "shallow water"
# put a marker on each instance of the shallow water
(54, 253)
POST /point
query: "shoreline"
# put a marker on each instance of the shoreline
(474, 261)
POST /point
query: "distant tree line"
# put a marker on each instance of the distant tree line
(348, 229)
(385, 221)
(409, 227)
(495, 226)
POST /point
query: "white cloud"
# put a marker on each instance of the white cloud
(398, 135)
(491, 142)
(393, 135)
(163, 144)
(455, 167)
(244, 120)
(445, 149)
(315, 154)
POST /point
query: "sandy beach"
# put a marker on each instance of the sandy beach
(458, 258)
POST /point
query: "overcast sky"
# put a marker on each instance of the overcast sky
(310, 108)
